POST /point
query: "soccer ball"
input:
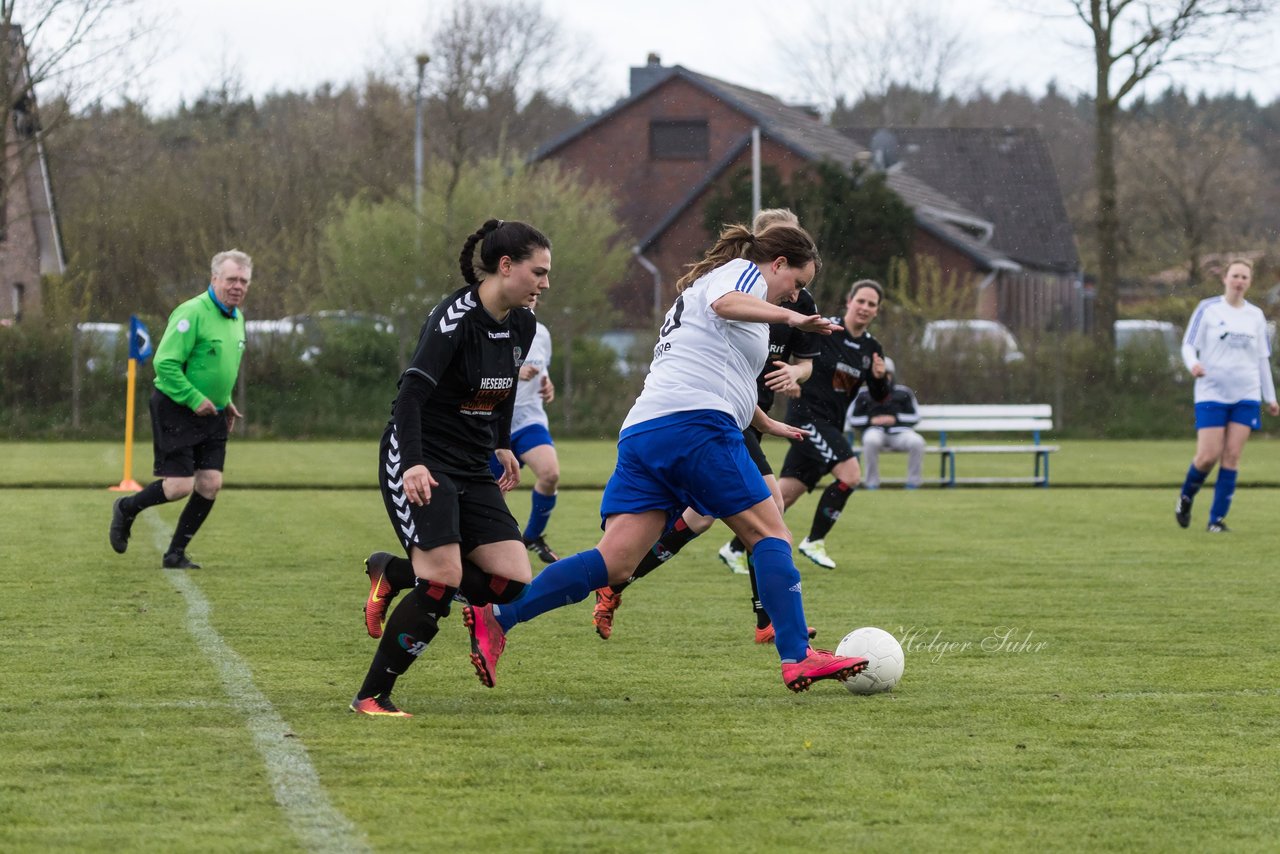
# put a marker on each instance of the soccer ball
(883, 653)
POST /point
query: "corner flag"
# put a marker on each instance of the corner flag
(139, 340)
(139, 351)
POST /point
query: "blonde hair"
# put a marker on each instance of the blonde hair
(773, 216)
(737, 241)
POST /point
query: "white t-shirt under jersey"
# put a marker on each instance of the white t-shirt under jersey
(528, 409)
(701, 360)
(1231, 344)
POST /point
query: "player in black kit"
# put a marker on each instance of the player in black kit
(779, 375)
(453, 409)
(847, 358)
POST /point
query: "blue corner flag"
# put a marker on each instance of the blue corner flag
(139, 340)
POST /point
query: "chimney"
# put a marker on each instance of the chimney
(648, 75)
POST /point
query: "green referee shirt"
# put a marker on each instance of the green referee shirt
(199, 355)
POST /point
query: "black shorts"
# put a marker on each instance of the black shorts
(185, 442)
(468, 511)
(751, 436)
(817, 453)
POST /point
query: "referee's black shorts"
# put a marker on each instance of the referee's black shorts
(185, 442)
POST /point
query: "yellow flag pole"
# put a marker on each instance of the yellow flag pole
(127, 483)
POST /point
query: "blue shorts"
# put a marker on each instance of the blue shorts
(1213, 414)
(522, 441)
(690, 459)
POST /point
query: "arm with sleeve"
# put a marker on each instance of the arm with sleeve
(177, 343)
(1267, 381)
(430, 361)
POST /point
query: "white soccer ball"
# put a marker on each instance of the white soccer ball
(883, 653)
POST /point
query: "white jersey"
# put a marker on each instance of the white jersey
(528, 409)
(1231, 344)
(701, 360)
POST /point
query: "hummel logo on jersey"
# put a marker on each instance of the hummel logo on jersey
(457, 311)
(503, 334)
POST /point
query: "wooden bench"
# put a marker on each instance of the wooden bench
(947, 420)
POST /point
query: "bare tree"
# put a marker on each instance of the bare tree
(868, 50)
(489, 59)
(73, 45)
(1189, 187)
(1133, 40)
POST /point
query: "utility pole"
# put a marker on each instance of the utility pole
(421, 59)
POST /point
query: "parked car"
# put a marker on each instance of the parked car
(102, 345)
(967, 336)
(631, 348)
(310, 329)
(1135, 336)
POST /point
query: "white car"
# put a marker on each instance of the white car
(941, 336)
(1159, 335)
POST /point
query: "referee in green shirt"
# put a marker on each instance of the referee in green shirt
(191, 410)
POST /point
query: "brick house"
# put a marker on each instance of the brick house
(30, 243)
(1005, 176)
(666, 147)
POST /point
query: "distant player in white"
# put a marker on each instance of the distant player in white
(532, 444)
(1226, 350)
(681, 446)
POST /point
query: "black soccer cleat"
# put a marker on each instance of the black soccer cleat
(1183, 511)
(1218, 527)
(179, 560)
(539, 546)
(121, 526)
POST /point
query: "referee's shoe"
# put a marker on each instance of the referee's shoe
(121, 526)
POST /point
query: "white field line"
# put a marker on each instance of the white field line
(318, 825)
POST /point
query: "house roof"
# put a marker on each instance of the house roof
(1005, 175)
(799, 131)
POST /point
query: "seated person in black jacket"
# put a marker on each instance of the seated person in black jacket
(887, 424)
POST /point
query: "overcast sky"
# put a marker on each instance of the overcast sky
(297, 44)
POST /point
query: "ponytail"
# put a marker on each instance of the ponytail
(498, 239)
(780, 240)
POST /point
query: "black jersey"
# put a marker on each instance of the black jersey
(843, 364)
(787, 341)
(456, 397)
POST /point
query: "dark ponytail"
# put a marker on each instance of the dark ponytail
(515, 240)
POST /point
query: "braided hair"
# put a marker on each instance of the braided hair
(515, 240)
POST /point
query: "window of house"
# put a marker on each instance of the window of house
(19, 292)
(679, 140)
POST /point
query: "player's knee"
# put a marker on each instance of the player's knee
(548, 482)
(177, 488)
(505, 590)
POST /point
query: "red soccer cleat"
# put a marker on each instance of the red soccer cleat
(380, 595)
(487, 641)
(380, 707)
(820, 664)
(602, 617)
(765, 635)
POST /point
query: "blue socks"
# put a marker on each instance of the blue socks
(1195, 480)
(564, 582)
(779, 584)
(1223, 490)
(539, 513)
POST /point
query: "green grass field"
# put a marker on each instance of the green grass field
(1133, 705)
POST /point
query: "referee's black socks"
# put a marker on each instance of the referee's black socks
(151, 495)
(193, 516)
